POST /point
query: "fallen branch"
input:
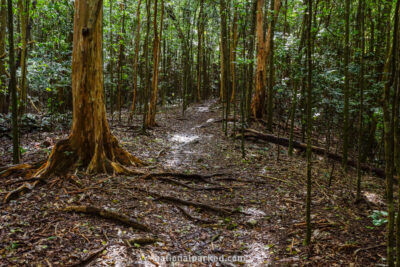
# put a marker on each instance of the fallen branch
(108, 214)
(251, 133)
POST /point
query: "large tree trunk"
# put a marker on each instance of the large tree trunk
(90, 143)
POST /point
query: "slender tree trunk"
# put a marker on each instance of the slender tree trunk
(111, 63)
(200, 31)
(233, 53)
(346, 89)
(135, 61)
(24, 18)
(147, 70)
(259, 96)
(90, 142)
(309, 123)
(4, 93)
(151, 115)
(396, 121)
(12, 88)
(361, 84)
(270, 95)
(121, 41)
(389, 75)
(250, 73)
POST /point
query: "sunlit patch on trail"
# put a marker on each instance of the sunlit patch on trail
(184, 138)
(116, 255)
(373, 198)
(258, 254)
(203, 109)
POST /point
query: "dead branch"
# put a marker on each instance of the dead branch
(108, 214)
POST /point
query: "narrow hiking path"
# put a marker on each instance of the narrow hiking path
(266, 198)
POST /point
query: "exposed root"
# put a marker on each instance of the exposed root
(186, 176)
(26, 187)
(174, 200)
(20, 169)
(61, 159)
(108, 214)
(89, 258)
(192, 218)
(172, 181)
(142, 241)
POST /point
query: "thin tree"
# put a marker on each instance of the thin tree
(5, 96)
(135, 61)
(361, 84)
(12, 87)
(151, 115)
(23, 6)
(389, 108)
(346, 85)
(309, 122)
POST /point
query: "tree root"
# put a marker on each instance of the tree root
(142, 241)
(174, 200)
(186, 176)
(172, 181)
(89, 258)
(192, 218)
(26, 187)
(104, 213)
(19, 169)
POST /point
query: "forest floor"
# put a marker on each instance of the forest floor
(260, 200)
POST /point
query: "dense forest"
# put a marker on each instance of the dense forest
(199, 133)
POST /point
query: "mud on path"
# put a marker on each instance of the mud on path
(266, 198)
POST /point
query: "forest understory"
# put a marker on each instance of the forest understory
(252, 207)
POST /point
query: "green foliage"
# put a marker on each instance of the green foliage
(379, 217)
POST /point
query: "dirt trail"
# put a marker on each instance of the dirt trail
(267, 195)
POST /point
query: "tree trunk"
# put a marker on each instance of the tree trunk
(309, 122)
(24, 18)
(200, 29)
(151, 115)
(121, 42)
(233, 53)
(346, 85)
(135, 61)
(4, 93)
(90, 143)
(12, 88)
(264, 49)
